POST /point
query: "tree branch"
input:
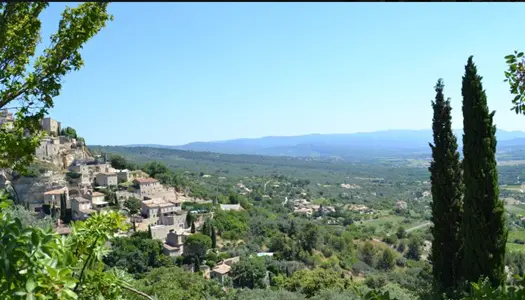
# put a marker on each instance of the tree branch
(129, 288)
(80, 277)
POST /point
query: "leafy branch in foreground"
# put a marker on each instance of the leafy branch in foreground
(40, 264)
(515, 76)
(29, 89)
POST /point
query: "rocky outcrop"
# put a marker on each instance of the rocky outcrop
(31, 190)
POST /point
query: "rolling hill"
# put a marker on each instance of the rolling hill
(388, 143)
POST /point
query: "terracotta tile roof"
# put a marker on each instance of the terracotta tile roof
(222, 269)
(97, 194)
(146, 180)
(56, 192)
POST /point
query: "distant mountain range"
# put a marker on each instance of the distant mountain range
(388, 143)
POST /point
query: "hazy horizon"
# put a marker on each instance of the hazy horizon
(175, 73)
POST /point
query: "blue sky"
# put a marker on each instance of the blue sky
(173, 73)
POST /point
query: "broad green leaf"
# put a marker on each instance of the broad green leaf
(30, 285)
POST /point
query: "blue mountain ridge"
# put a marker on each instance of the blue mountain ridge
(378, 143)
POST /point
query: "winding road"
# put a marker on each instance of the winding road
(418, 227)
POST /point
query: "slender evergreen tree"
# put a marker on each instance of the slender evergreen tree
(213, 238)
(446, 180)
(483, 229)
(192, 230)
(150, 234)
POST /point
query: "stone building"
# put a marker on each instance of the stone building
(106, 179)
(158, 207)
(52, 197)
(174, 245)
(147, 186)
(51, 126)
(81, 208)
(123, 175)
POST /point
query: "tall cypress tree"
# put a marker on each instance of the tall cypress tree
(213, 238)
(484, 229)
(445, 176)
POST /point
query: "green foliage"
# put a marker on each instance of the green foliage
(136, 254)
(231, 225)
(40, 264)
(387, 260)
(447, 194)
(30, 89)
(69, 132)
(368, 252)
(401, 233)
(213, 237)
(29, 219)
(249, 273)
(155, 168)
(196, 245)
(311, 282)
(133, 205)
(175, 283)
(483, 289)
(414, 249)
(308, 237)
(484, 229)
(119, 162)
(515, 76)
(267, 294)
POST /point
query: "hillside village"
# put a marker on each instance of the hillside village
(74, 185)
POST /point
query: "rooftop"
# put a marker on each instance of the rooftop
(87, 211)
(97, 194)
(222, 269)
(81, 200)
(56, 192)
(170, 248)
(157, 202)
(146, 180)
(99, 202)
(108, 174)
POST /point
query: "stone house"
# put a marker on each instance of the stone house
(220, 273)
(174, 245)
(52, 127)
(98, 201)
(147, 186)
(83, 170)
(176, 219)
(123, 175)
(222, 270)
(81, 208)
(157, 207)
(96, 196)
(52, 197)
(79, 168)
(106, 179)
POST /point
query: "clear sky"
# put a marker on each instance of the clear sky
(173, 73)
